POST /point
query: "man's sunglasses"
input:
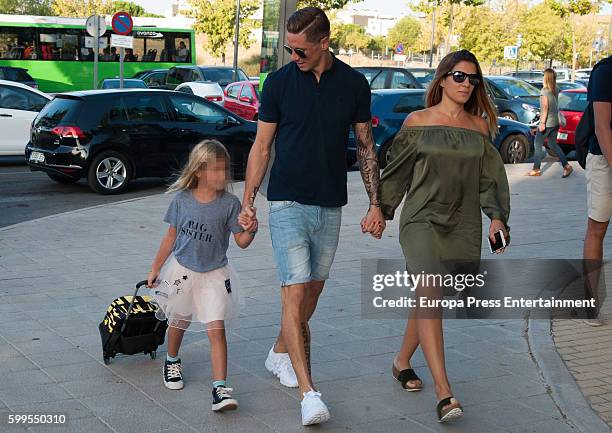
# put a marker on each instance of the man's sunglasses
(299, 51)
(459, 77)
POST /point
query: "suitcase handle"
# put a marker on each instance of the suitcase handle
(129, 311)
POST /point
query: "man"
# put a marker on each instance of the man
(599, 174)
(308, 106)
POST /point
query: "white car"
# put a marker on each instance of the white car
(19, 105)
(206, 89)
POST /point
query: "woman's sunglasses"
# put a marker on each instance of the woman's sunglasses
(459, 77)
(299, 51)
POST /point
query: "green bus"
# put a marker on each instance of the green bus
(58, 52)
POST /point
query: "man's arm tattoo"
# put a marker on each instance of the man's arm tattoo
(253, 196)
(368, 161)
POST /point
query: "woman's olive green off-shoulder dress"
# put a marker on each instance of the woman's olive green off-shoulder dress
(448, 174)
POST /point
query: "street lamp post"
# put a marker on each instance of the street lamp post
(237, 32)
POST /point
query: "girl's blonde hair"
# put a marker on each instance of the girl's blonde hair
(550, 80)
(205, 152)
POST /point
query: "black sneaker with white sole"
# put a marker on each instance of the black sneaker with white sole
(173, 375)
(222, 400)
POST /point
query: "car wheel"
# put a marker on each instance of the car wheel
(383, 154)
(62, 179)
(109, 173)
(508, 115)
(515, 149)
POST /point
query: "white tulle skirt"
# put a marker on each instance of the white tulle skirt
(191, 299)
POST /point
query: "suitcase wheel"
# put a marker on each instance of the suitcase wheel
(153, 354)
(106, 360)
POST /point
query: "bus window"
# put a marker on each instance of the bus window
(59, 44)
(18, 43)
(181, 47)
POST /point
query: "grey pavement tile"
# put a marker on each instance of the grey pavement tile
(548, 426)
(131, 421)
(398, 424)
(26, 393)
(198, 414)
(272, 400)
(504, 414)
(42, 343)
(73, 409)
(290, 420)
(97, 386)
(84, 370)
(82, 425)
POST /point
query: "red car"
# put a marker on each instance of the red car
(242, 98)
(572, 104)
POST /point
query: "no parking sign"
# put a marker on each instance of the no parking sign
(122, 23)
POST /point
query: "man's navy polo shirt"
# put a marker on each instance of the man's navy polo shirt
(600, 90)
(313, 127)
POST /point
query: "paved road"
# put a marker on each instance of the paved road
(26, 195)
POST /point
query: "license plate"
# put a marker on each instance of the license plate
(37, 157)
(562, 136)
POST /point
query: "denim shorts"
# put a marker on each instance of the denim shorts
(304, 240)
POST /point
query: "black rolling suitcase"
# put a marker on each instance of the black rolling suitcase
(130, 327)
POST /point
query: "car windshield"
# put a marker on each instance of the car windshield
(223, 76)
(424, 77)
(573, 101)
(516, 88)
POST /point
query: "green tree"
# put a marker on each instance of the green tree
(126, 6)
(569, 9)
(544, 36)
(483, 32)
(348, 36)
(80, 8)
(405, 31)
(26, 7)
(217, 20)
(326, 5)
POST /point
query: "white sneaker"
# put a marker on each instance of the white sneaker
(272, 361)
(286, 373)
(279, 364)
(314, 410)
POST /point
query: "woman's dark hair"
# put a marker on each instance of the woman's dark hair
(479, 102)
(312, 21)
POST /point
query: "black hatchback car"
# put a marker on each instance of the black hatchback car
(110, 137)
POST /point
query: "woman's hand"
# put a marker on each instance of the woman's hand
(153, 274)
(542, 126)
(497, 225)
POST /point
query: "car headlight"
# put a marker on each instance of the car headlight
(529, 107)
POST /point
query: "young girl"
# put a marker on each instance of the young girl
(194, 284)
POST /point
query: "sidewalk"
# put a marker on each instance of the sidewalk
(59, 274)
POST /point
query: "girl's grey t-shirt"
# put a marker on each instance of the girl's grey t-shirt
(552, 116)
(203, 229)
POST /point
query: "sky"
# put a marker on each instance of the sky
(384, 6)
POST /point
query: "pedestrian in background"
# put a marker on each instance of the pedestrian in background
(549, 126)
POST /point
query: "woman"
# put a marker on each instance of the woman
(549, 126)
(442, 160)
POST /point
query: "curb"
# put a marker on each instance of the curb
(563, 388)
